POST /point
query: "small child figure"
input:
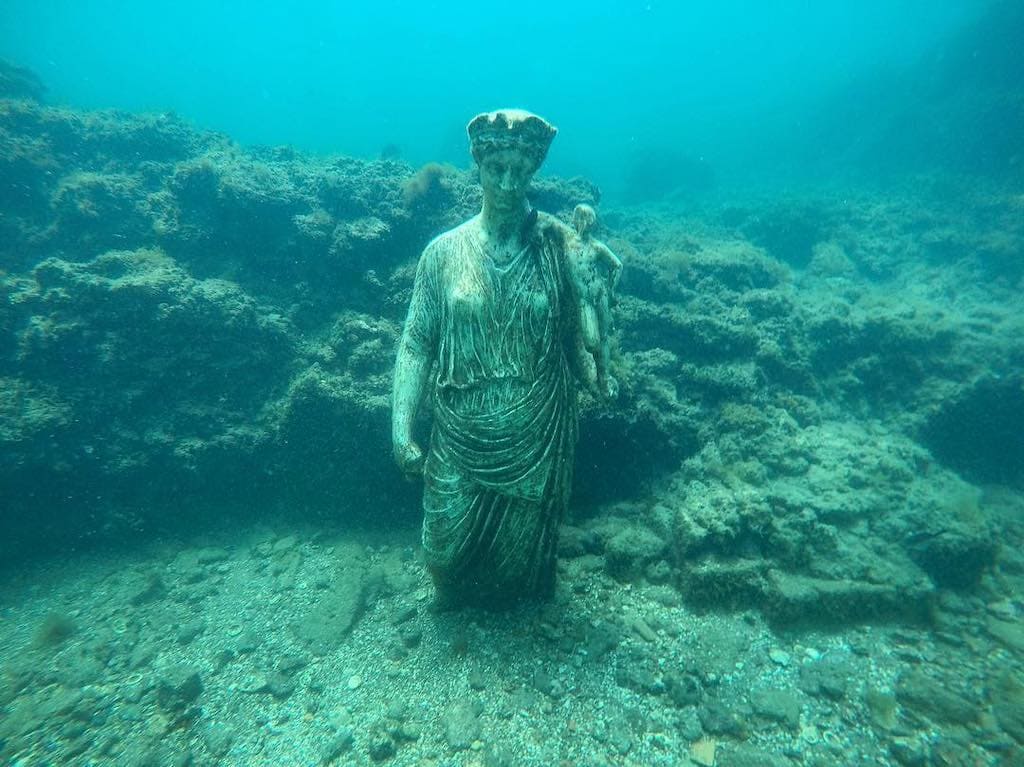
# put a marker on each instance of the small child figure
(595, 273)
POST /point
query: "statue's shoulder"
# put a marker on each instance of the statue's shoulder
(553, 230)
(552, 225)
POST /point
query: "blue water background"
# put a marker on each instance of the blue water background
(731, 86)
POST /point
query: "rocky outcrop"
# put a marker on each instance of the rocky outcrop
(189, 325)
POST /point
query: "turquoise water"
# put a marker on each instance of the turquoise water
(735, 85)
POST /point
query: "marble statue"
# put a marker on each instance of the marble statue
(509, 316)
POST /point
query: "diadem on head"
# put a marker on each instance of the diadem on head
(510, 129)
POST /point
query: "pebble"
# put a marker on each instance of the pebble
(477, 680)
(643, 630)
(279, 685)
(779, 656)
(809, 734)
(703, 752)
(1003, 609)
(338, 745)
(404, 613)
(355, 682)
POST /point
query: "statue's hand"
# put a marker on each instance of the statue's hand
(609, 388)
(409, 458)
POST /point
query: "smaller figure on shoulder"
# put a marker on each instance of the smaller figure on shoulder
(595, 273)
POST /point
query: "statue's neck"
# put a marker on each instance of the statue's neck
(504, 225)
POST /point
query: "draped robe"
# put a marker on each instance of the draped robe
(498, 470)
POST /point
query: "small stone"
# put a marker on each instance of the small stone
(284, 544)
(187, 632)
(908, 752)
(827, 677)
(780, 706)
(690, 727)
(338, 745)
(461, 723)
(779, 656)
(477, 681)
(380, 744)
(403, 613)
(703, 752)
(178, 687)
(619, 736)
(410, 636)
(937, 699)
(744, 755)
(246, 642)
(643, 630)
(1010, 633)
(602, 638)
(281, 686)
(683, 689)
(218, 738)
(881, 708)
(292, 664)
(355, 682)
(719, 720)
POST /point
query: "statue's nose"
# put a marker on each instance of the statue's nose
(507, 183)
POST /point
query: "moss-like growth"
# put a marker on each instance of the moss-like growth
(426, 182)
(56, 628)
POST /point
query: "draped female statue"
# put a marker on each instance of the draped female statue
(509, 313)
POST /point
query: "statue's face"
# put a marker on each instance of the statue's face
(505, 176)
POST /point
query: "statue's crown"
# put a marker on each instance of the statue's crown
(510, 129)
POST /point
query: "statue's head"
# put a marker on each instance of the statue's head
(583, 219)
(509, 145)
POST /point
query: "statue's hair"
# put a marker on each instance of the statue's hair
(515, 129)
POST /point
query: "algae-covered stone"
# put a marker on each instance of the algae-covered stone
(631, 548)
(602, 638)
(882, 708)
(178, 688)
(1008, 704)
(380, 744)
(461, 724)
(743, 755)
(1010, 715)
(793, 599)
(218, 737)
(909, 752)
(338, 745)
(329, 621)
(280, 685)
(827, 677)
(719, 719)
(782, 706)
(683, 689)
(943, 701)
(1010, 633)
